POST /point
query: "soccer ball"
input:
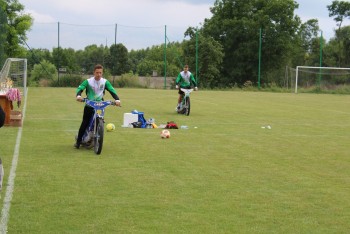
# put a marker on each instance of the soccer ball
(165, 134)
(110, 127)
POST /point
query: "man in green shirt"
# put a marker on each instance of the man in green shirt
(184, 80)
(95, 89)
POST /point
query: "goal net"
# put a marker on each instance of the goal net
(14, 75)
(307, 78)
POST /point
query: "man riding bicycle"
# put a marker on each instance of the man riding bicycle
(184, 80)
(95, 89)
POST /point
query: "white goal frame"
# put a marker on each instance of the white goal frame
(7, 72)
(325, 68)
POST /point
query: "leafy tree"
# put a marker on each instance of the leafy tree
(313, 58)
(331, 53)
(146, 67)
(235, 24)
(145, 61)
(44, 70)
(174, 54)
(308, 32)
(66, 58)
(155, 56)
(340, 10)
(90, 56)
(79, 55)
(335, 55)
(118, 61)
(306, 49)
(135, 57)
(344, 33)
(3, 23)
(35, 56)
(155, 53)
(16, 27)
(210, 57)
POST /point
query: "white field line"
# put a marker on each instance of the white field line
(5, 213)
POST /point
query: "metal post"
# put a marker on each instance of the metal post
(260, 42)
(197, 76)
(115, 44)
(320, 75)
(115, 34)
(165, 58)
(296, 79)
(58, 53)
(25, 78)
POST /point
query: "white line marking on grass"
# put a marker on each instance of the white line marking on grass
(11, 180)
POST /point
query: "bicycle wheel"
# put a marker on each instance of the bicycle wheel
(99, 136)
(188, 106)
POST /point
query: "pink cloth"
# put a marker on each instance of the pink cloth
(13, 94)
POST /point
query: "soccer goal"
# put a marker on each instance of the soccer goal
(14, 75)
(323, 78)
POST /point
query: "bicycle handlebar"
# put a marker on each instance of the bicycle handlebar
(186, 90)
(98, 104)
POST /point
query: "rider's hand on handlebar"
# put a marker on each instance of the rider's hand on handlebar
(117, 103)
(195, 88)
(176, 86)
(79, 98)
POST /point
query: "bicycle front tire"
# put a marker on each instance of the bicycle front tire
(188, 106)
(99, 136)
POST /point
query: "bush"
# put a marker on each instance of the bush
(128, 80)
(67, 81)
(44, 70)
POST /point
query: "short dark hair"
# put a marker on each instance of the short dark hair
(98, 66)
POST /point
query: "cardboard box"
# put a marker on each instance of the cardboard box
(16, 118)
(129, 118)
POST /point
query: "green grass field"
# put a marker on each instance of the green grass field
(225, 174)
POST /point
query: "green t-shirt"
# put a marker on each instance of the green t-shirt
(185, 79)
(95, 89)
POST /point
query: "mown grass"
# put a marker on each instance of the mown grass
(225, 174)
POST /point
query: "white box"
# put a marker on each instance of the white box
(130, 118)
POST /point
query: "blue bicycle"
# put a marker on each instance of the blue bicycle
(93, 136)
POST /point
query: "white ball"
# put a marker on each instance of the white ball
(110, 127)
(165, 134)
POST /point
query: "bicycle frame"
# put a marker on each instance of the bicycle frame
(93, 136)
(185, 105)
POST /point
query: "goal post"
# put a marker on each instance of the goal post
(328, 76)
(14, 75)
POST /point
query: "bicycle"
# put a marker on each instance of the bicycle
(93, 136)
(185, 105)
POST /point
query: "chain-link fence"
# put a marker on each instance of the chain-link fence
(69, 35)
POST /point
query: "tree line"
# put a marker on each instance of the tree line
(229, 45)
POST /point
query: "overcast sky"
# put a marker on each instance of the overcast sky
(135, 23)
